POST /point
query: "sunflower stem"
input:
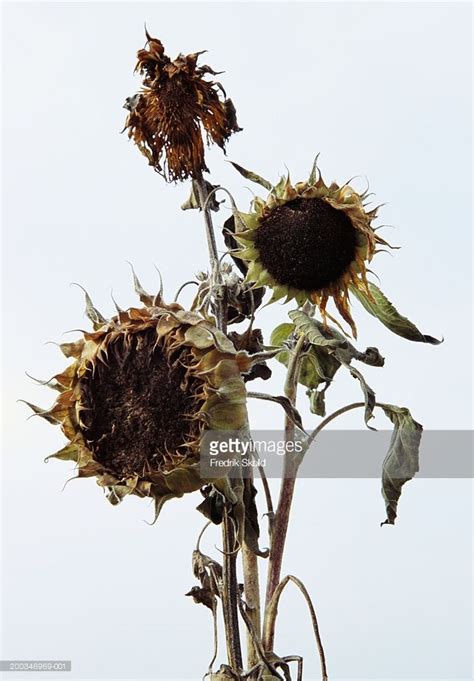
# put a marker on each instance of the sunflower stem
(282, 514)
(220, 293)
(252, 600)
(230, 587)
(230, 593)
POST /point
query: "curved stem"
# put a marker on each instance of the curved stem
(334, 415)
(273, 611)
(268, 498)
(259, 652)
(282, 515)
(331, 417)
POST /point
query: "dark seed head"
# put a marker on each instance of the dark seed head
(306, 243)
(137, 406)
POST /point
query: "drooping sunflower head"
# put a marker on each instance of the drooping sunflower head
(166, 117)
(140, 392)
(310, 241)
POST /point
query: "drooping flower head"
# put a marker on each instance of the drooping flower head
(166, 118)
(140, 392)
(310, 241)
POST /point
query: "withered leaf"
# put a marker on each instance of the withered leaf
(402, 460)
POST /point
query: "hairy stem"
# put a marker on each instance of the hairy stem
(220, 294)
(229, 568)
(282, 515)
(252, 601)
(230, 593)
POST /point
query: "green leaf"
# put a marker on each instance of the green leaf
(314, 330)
(385, 312)
(281, 333)
(331, 345)
(253, 177)
(318, 365)
(317, 402)
(325, 335)
(402, 460)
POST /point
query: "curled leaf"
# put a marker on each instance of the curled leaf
(402, 460)
(193, 202)
(317, 365)
(329, 343)
(369, 395)
(253, 177)
(379, 306)
(317, 401)
(144, 297)
(92, 313)
(202, 596)
(313, 330)
(251, 528)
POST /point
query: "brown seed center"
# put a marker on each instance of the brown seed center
(138, 406)
(306, 243)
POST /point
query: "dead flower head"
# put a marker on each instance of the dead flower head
(140, 392)
(166, 118)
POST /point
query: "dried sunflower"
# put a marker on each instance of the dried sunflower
(140, 392)
(166, 116)
(309, 241)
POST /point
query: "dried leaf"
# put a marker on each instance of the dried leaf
(369, 395)
(144, 297)
(252, 529)
(92, 313)
(402, 460)
(212, 507)
(203, 596)
(193, 202)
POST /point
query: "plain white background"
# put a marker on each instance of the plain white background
(380, 90)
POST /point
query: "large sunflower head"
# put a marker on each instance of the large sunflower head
(140, 392)
(165, 118)
(309, 241)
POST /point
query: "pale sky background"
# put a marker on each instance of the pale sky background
(380, 90)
